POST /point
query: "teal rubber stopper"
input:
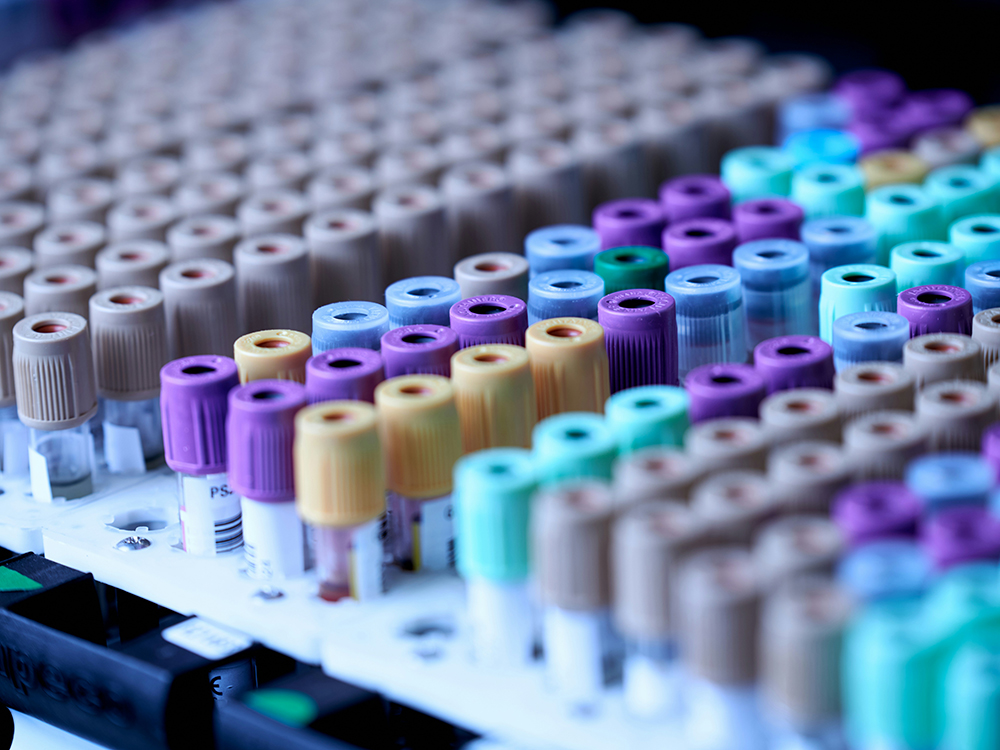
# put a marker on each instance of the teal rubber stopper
(903, 213)
(572, 446)
(978, 237)
(972, 696)
(646, 416)
(492, 501)
(829, 190)
(919, 263)
(757, 172)
(990, 162)
(963, 190)
(858, 287)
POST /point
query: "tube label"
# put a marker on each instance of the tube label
(273, 540)
(434, 538)
(211, 521)
(368, 559)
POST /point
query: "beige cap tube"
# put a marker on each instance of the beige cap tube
(495, 396)
(15, 265)
(892, 167)
(277, 354)
(984, 124)
(986, 332)
(141, 217)
(339, 473)
(880, 444)
(794, 545)
(272, 283)
(73, 242)
(806, 475)
(954, 413)
(135, 263)
(943, 356)
(128, 331)
(59, 288)
(493, 273)
(728, 443)
(733, 505)
(204, 236)
(657, 473)
(873, 386)
(801, 414)
(569, 365)
(11, 311)
(199, 298)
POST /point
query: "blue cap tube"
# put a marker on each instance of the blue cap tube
(982, 280)
(421, 300)
(875, 336)
(777, 294)
(824, 189)
(566, 293)
(978, 237)
(903, 213)
(837, 241)
(822, 145)
(561, 246)
(859, 287)
(885, 570)
(947, 480)
(344, 324)
(810, 112)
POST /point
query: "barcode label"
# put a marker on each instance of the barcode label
(437, 534)
(368, 560)
(211, 520)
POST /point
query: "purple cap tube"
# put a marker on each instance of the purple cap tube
(873, 511)
(933, 108)
(868, 90)
(695, 196)
(629, 221)
(419, 350)
(991, 447)
(692, 242)
(489, 319)
(640, 334)
(787, 362)
(936, 308)
(724, 390)
(345, 374)
(961, 535)
(767, 218)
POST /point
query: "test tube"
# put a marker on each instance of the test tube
(569, 365)
(344, 255)
(991, 447)
(943, 356)
(963, 190)
(641, 338)
(15, 265)
(416, 349)
(15, 182)
(199, 297)
(548, 185)
(829, 190)
(959, 536)
(341, 187)
(854, 288)
(13, 434)
(936, 308)
(951, 480)
(357, 324)
(272, 211)
(141, 217)
(787, 362)
(727, 443)
(920, 263)
(210, 193)
(801, 414)
(837, 241)
(421, 441)
(136, 263)
(884, 164)
(806, 475)
(494, 492)
(412, 232)
(821, 145)
(20, 221)
(611, 160)
(218, 151)
(629, 221)
(873, 386)
(880, 444)
(691, 242)
(480, 209)
(710, 323)
(955, 413)
(561, 246)
(571, 530)
(970, 690)
(869, 337)
(407, 164)
(903, 213)
(204, 236)
(573, 445)
(946, 147)
(275, 354)
(812, 110)
(774, 275)
(647, 416)
(986, 331)
(495, 396)
(794, 547)
(695, 196)
(344, 374)
(726, 390)
(340, 488)
(56, 409)
(880, 570)
(489, 319)
(272, 270)
(767, 218)
(978, 237)
(658, 473)
(59, 288)
(282, 170)
(757, 172)
(74, 243)
(262, 413)
(493, 273)
(872, 511)
(982, 281)
(564, 293)
(147, 175)
(982, 125)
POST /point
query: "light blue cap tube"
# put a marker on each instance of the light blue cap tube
(948, 480)
(903, 213)
(824, 189)
(837, 241)
(421, 300)
(573, 445)
(812, 111)
(566, 293)
(858, 287)
(777, 294)
(343, 324)
(982, 280)
(561, 246)
(990, 161)
(888, 569)
(822, 145)
(922, 263)
(869, 337)
(649, 415)
(492, 500)
(962, 191)
(757, 172)
(710, 322)
(978, 237)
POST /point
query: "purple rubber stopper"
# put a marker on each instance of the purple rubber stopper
(193, 406)
(872, 511)
(489, 319)
(419, 350)
(869, 89)
(345, 374)
(934, 108)
(695, 196)
(261, 428)
(767, 218)
(991, 447)
(724, 390)
(692, 242)
(629, 221)
(640, 334)
(787, 362)
(936, 308)
(961, 535)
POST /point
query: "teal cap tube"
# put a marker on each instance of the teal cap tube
(920, 263)
(964, 601)
(571, 446)
(824, 189)
(858, 287)
(990, 162)
(963, 190)
(822, 145)
(757, 172)
(647, 416)
(978, 237)
(903, 213)
(972, 696)
(492, 500)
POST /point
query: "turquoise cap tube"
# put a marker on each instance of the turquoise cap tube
(978, 237)
(824, 189)
(963, 190)
(757, 172)
(647, 416)
(920, 263)
(858, 287)
(971, 702)
(903, 213)
(573, 445)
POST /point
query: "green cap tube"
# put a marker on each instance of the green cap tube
(971, 702)
(647, 416)
(919, 263)
(829, 190)
(963, 190)
(572, 446)
(858, 287)
(632, 267)
(492, 500)
(978, 237)
(903, 213)
(757, 172)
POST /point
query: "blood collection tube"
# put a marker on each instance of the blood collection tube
(282, 170)
(970, 690)
(357, 324)
(884, 164)
(343, 187)
(963, 190)
(199, 297)
(421, 300)
(20, 221)
(726, 390)
(986, 331)
(348, 145)
(561, 246)
(978, 237)
(204, 236)
(548, 185)
(883, 569)
(774, 275)
(821, 146)
(691, 242)
(272, 211)
(625, 268)
(13, 433)
(727, 443)
(148, 175)
(412, 232)
(924, 263)
(277, 354)
(494, 394)
(793, 547)
(416, 349)
(59, 288)
(407, 164)
(611, 160)
(903, 213)
(950, 480)
(947, 146)
(943, 356)
(837, 241)
(879, 445)
(959, 536)
(629, 221)
(787, 362)
(344, 255)
(421, 441)
(695, 196)
(272, 270)
(210, 193)
(74, 243)
(489, 319)
(829, 190)
(573, 445)
(129, 338)
(854, 288)
(15, 265)
(493, 273)
(873, 386)
(220, 151)
(873, 511)
(982, 281)
(564, 293)
(867, 89)
(757, 172)
(569, 365)
(54, 408)
(801, 414)
(141, 217)
(135, 263)
(344, 374)
(732, 506)
(936, 308)
(806, 475)
(68, 160)
(647, 416)
(474, 140)
(982, 125)
(641, 338)
(494, 492)
(767, 218)
(869, 337)
(15, 182)
(955, 413)
(479, 206)
(571, 544)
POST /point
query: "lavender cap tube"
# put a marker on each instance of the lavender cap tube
(419, 350)
(872, 511)
(936, 308)
(725, 390)
(767, 218)
(640, 334)
(933, 108)
(961, 535)
(345, 374)
(193, 405)
(695, 196)
(867, 90)
(991, 447)
(787, 362)
(489, 319)
(629, 221)
(692, 242)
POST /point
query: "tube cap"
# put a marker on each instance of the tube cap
(569, 365)
(495, 396)
(560, 247)
(991, 447)
(876, 336)
(955, 413)
(885, 569)
(628, 222)
(261, 429)
(11, 311)
(128, 332)
(922, 263)
(200, 304)
(777, 295)
(420, 434)
(821, 145)
(141, 217)
(15, 265)
(72, 242)
(339, 474)
(794, 546)
(20, 221)
(854, 288)
(806, 475)
(204, 236)
(903, 213)
(349, 324)
(489, 319)
(416, 349)
(970, 695)
(943, 356)
(573, 445)
(647, 416)
(801, 414)
(827, 189)
(936, 308)
(272, 211)
(272, 355)
(978, 237)
(135, 263)
(984, 124)
(493, 273)
(729, 443)
(734, 505)
(564, 293)
(700, 240)
(788, 362)
(986, 332)
(631, 267)
(879, 445)
(658, 473)
(345, 374)
(726, 390)
(422, 300)
(767, 218)
(272, 272)
(961, 535)
(963, 190)
(837, 241)
(949, 480)
(695, 196)
(757, 172)
(873, 386)
(193, 407)
(59, 288)
(886, 166)
(876, 510)
(640, 329)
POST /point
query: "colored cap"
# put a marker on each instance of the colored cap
(879, 445)
(59, 289)
(936, 308)
(876, 336)
(629, 221)
(943, 356)
(789, 362)
(812, 110)
(734, 505)
(128, 333)
(777, 293)
(261, 429)
(867, 89)
(903, 213)
(15, 265)
(854, 288)
(493, 495)
(573, 445)
(727, 443)
(349, 324)
(837, 241)
(986, 331)
(193, 405)
(801, 414)
(647, 416)
(632, 267)
(489, 319)
(569, 365)
(493, 273)
(756, 172)
(984, 124)
(886, 165)
(885, 569)
(640, 329)
(345, 374)
(934, 108)
(11, 311)
(955, 413)
(421, 300)
(963, 190)
(824, 189)
(873, 386)
(657, 473)
(726, 390)
(876, 510)
(204, 236)
(564, 293)
(700, 240)
(948, 480)
(982, 281)
(495, 396)
(991, 447)
(823, 145)
(72, 242)
(571, 545)
(807, 474)
(272, 271)
(562, 246)
(961, 535)
(695, 196)
(971, 694)
(978, 237)
(767, 218)
(200, 304)
(135, 263)
(339, 474)
(926, 263)
(416, 349)
(420, 434)
(272, 355)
